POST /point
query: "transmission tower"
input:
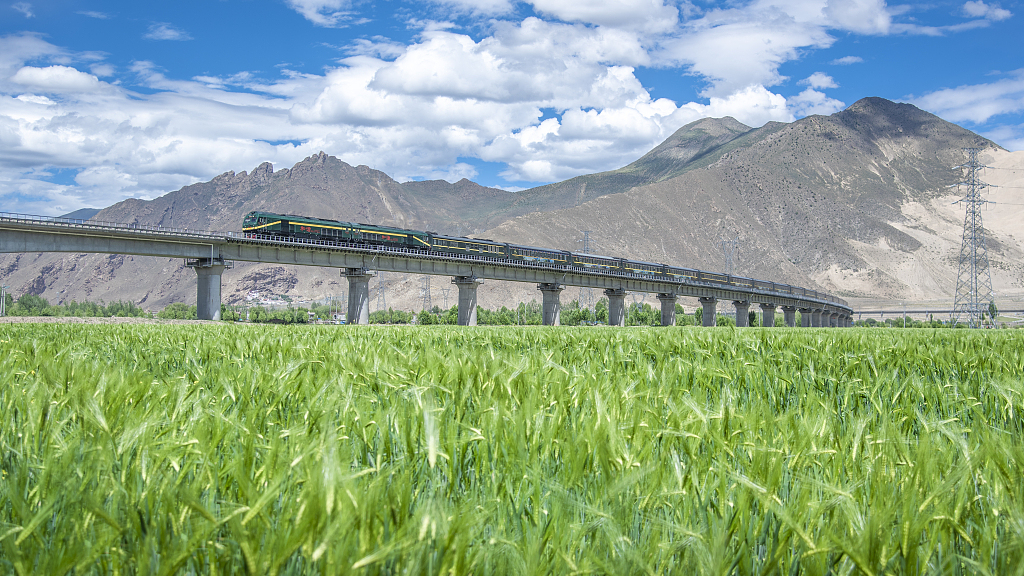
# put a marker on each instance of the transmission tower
(974, 280)
(444, 296)
(730, 247)
(425, 293)
(586, 294)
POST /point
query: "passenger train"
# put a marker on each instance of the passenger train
(284, 226)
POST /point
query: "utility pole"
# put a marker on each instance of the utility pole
(3, 300)
(974, 279)
(730, 247)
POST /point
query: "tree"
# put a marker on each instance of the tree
(752, 320)
(698, 316)
(29, 305)
(601, 310)
(178, 311)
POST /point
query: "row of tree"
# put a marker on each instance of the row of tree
(525, 314)
(32, 305)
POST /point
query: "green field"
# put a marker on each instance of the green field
(227, 449)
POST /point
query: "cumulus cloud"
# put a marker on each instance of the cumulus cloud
(861, 16)
(551, 97)
(847, 60)
(812, 101)
(978, 9)
(56, 79)
(24, 7)
(977, 103)
(327, 13)
(819, 80)
(478, 7)
(165, 31)
(649, 15)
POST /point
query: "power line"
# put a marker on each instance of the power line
(974, 278)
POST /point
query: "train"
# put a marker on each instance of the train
(272, 226)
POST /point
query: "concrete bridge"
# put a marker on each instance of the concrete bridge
(209, 253)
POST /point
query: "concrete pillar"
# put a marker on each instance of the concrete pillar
(668, 309)
(816, 318)
(708, 313)
(768, 315)
(616, 306)
(742, 313)
(467, 298)
(833, 320)
(358, 295)
(208, 290)
(789, 315)
(552, 307)
(806, 317)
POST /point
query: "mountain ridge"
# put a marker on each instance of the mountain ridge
(845, 202)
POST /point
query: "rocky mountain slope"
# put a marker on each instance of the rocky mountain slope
(856, 202)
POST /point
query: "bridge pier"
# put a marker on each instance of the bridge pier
(467, 298)
(551, 306)
(768, 315)
(708, 310)
(815, 318)
(833, 320)
(668, 308)
(208, 283)
(358, 295)
(789, 315)
(806, 317)
(742, 313)
(616, 306)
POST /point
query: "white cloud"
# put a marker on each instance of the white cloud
(811, 101)
(23, 7)
(819, 80)
(478, 7)
(649, 15)
(847, 60)
(327, 13)
(165, 31)
(56, 79)
(102, 70)
(550, 98)
(94, 14)
(978, 9)
(1010, 137)
(861, 16)
(979, 102)
(733, 49)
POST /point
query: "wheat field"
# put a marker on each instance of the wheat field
(229, 449)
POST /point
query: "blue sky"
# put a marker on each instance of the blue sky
(106, 100)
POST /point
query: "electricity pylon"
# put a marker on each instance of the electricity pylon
(586, 297)
(730, 247)
(974, 279)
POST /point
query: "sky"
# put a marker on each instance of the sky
(103, 100)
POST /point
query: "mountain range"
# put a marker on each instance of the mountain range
(859, 203)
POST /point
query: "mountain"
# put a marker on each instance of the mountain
(857, 203)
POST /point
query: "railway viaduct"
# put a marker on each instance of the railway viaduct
(209, 253)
